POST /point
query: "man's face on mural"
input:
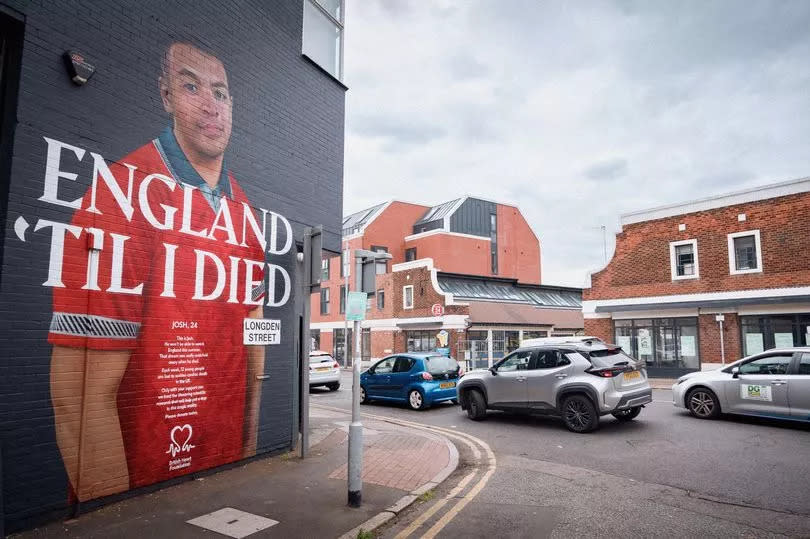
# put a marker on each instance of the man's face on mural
(194, 89)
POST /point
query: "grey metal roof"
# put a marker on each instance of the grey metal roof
(354, 222)
(507, 290)
(437, 212)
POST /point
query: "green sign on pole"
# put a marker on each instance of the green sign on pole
(356, 306)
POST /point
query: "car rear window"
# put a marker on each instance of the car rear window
(322, 358)
(609, 357)
(440, 364)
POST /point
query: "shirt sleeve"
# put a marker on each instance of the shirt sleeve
(87, 313)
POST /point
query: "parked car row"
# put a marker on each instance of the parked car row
(581, 380)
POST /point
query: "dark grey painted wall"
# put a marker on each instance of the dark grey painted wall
(473, 217)
(430, 225)
(286, 151)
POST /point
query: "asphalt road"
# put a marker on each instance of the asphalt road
(665, 473)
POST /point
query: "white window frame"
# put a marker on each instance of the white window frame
(732, 255)
(340, 24)
(673, 262)
(405, 297)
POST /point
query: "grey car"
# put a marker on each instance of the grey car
(772, 384)
(577, 381)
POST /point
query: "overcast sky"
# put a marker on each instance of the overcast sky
(576, 112)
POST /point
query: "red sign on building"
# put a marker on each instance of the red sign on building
(437, 309)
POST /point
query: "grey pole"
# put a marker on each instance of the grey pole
(604, 242)
(348, 265)
(722, 347)
(305, 340)
(356, 427)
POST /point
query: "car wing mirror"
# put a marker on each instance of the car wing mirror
(494, 370)
(735, 372)
(371, 370)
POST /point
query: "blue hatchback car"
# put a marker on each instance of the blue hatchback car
(416, 378)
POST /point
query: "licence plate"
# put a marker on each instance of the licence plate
(322, 369)
(446, 385)
(632, 375)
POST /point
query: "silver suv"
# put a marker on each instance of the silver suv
(577, 381)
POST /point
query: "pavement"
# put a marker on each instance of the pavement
(284, 496)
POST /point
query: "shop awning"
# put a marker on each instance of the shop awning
(708, 304)
(490, 313)
(419, 325)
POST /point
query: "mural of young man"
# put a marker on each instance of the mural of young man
(149, 375)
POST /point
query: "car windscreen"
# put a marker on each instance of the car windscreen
(440, 364)
(609, 357)
(322, 358)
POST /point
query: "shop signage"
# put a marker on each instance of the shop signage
(437, 309)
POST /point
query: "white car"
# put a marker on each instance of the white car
(323, 370)
(774, 383)
(542, 341)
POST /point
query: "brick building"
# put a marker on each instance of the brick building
(464, 275)
(677, 267)
(159, 162)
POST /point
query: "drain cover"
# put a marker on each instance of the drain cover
(232, 522)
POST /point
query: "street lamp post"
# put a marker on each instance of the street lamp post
(345, 266)
(355, 474)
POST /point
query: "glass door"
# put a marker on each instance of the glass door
(666, 353)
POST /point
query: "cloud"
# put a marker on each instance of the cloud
(398, 131)
(547, 104)
(607, 170)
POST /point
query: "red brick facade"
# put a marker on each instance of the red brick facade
(640, 271)
(436, 250)
(640, 266)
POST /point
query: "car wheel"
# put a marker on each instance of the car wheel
(333, 386)
(415, 400)
(627, 415)
(363, 398)
(476, 405)
(579, 414)
(702, 403)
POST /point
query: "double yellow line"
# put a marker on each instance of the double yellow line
(484, 460)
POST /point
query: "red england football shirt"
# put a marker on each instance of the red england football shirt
(181, 402)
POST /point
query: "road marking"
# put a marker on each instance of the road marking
(462, 503)
(467, 439)
(435, 507)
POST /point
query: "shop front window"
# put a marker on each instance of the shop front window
(421, 340)
(340, 341)
(512, 340)
(532, 334)
(661, 343)
(760, 333)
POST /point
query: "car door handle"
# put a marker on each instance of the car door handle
(561, 376)
(778, 382)
(520, 379)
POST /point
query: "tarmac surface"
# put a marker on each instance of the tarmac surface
(666, 474)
